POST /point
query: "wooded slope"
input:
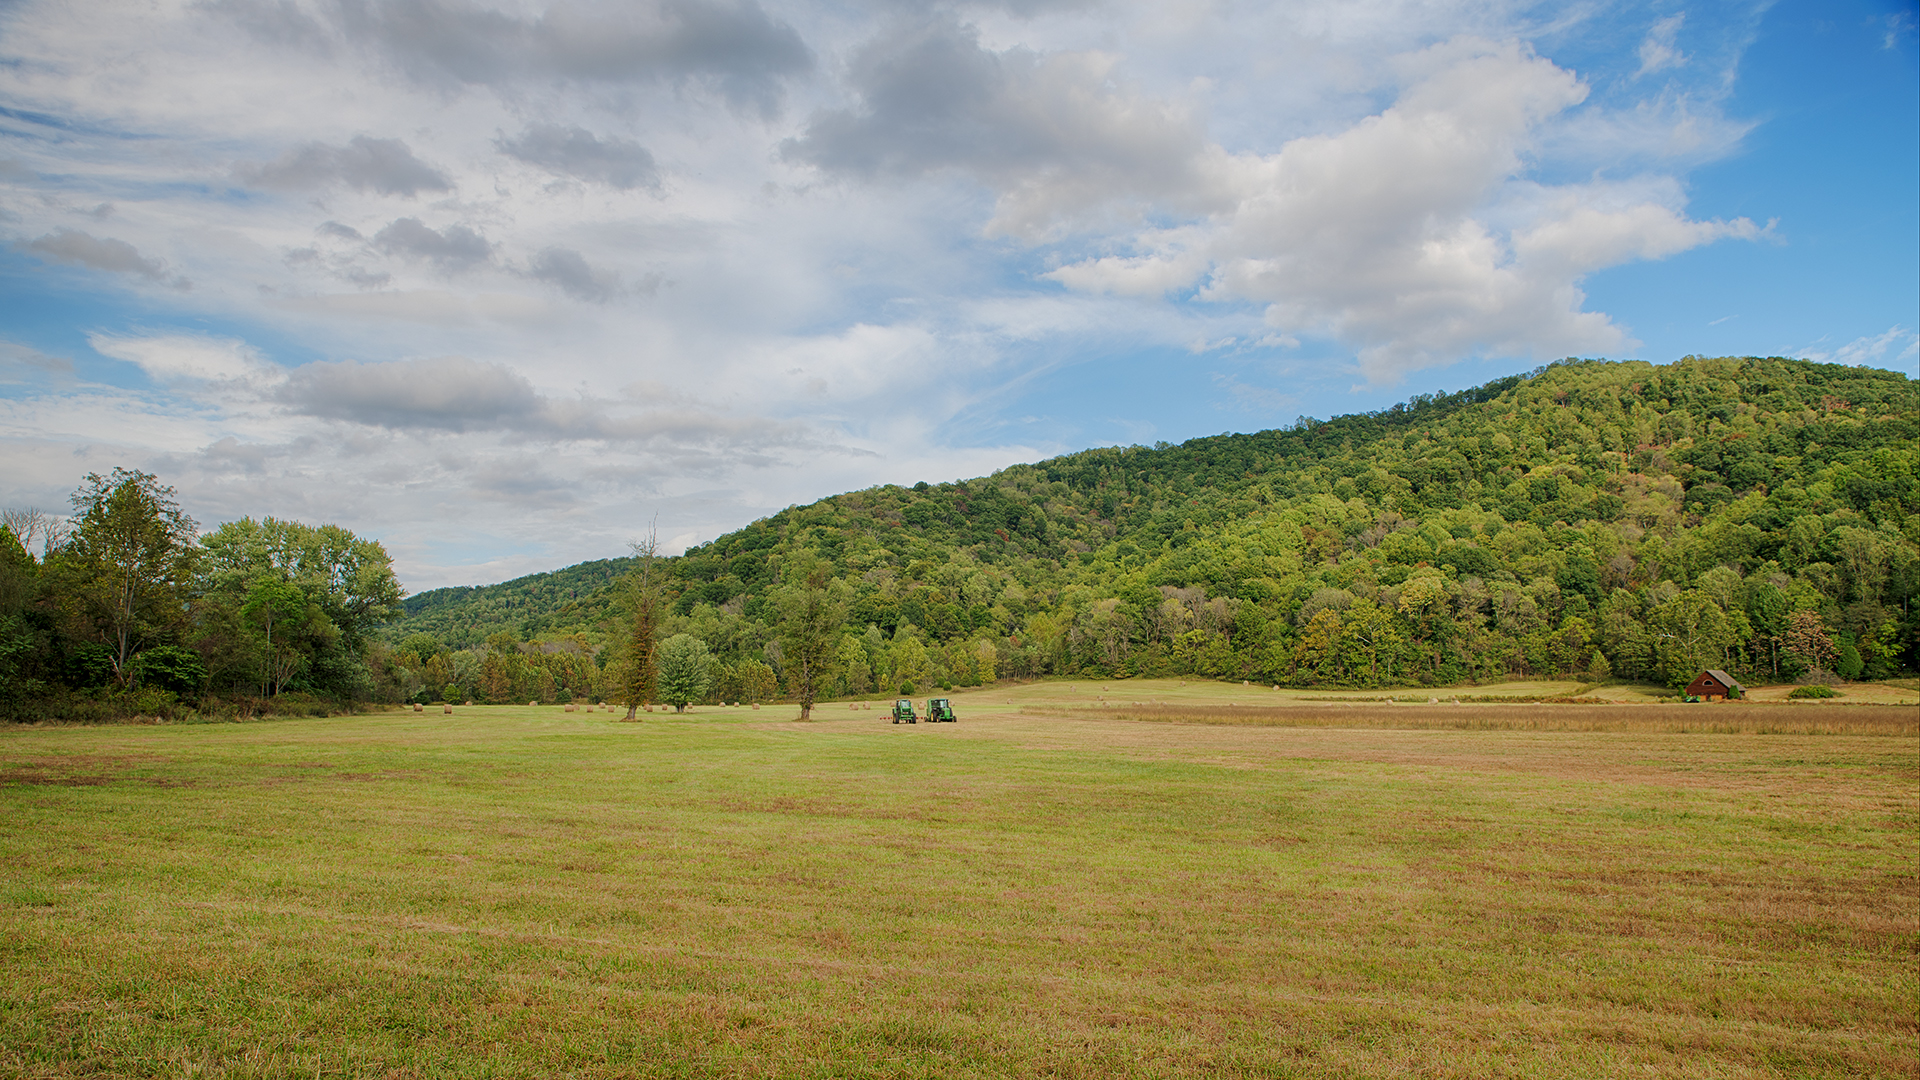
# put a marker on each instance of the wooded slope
(1757, 515)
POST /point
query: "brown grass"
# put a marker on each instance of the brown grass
(1720, 718)
(521, 892)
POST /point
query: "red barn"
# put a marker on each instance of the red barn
(1711, 685)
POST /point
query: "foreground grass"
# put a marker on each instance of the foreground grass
(511, 892)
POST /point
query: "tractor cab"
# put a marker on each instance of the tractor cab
(940, 710)
(903, 712)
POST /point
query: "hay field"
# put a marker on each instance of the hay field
(1865, 708)
(514, 892)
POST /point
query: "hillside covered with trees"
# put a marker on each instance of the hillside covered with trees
(1590, 518)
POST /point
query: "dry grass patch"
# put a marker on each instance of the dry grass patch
(1726, 718)
(515, 892)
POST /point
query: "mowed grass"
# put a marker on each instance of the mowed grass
(520, 892)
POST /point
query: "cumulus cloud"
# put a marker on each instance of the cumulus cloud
(452, 249)
(104, 253)
(568, 269)
(1055, 134)
(733, 44)
(450, 393)
(277, 22)
(1389, 236)
(456, 394)
(365, 164)
(577, 152)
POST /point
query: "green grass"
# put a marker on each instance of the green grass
(515, 892)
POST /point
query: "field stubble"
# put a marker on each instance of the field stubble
(510, 892)
(1726, 718)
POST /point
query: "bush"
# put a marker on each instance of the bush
(1849, 665)
(170, 667)
(294, 703)
(108, 705)
(1815, 691)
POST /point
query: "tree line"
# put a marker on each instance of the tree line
(124, 608)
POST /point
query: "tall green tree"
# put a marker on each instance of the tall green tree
(308, 597)
(127, 566)
(686, 670)
(1691, 634)
(812, 612)
(278, 612)
(19, 587)
(349, 577)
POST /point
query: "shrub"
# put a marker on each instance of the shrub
(1815, 691)
(110, 705)
(293, 703)
(170, 667)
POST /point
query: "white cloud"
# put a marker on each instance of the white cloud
(1057, 135)
(1386, 236)
(440, 308)
(386, 166)
(1657, 50)
(577, 152)
(706, 258)
(1872, 349)
(113, 255)
(176, 357)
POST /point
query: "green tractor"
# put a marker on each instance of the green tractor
(940, 710)
(903, 712)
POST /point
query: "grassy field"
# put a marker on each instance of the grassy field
(1029, 892)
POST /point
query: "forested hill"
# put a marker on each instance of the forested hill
(1584, 517)
(531, 606)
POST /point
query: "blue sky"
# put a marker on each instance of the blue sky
(503, 283)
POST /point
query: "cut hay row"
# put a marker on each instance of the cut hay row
(1722, 719)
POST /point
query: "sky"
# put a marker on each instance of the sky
(508, 284)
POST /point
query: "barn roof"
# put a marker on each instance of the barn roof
(1723, 678)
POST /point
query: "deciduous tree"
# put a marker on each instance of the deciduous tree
(686, 669)
(638, 665)
(127, 566)
(812, 611)
(1808, 639)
